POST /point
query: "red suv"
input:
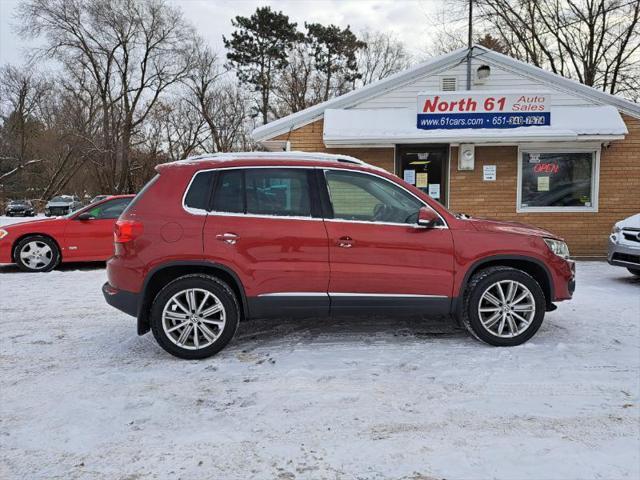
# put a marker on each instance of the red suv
(215, 240)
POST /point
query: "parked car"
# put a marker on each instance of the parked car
(624, 244)
(62, 205)
(97, 198)
(208, 243)
(20, 208)
(82, 236)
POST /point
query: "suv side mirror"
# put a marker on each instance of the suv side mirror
(427, 217)
(85, 216)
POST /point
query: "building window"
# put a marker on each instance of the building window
(558, 180)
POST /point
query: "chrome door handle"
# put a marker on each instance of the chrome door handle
(230, 238)
(345, 242)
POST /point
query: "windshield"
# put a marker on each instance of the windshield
(61, 199)
(18, 202)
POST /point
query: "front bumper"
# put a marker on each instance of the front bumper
(124, 301)
(56, 211)
(563, 276)
(623, 253)
(20, 213)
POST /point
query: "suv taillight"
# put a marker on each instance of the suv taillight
(126, 231)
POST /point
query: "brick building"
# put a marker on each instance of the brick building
(520, 144)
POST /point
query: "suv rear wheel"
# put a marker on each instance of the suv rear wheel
(194, 316)
(503, 306)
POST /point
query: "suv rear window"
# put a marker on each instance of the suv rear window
(199, 190)
(140, 194)
(229, 194)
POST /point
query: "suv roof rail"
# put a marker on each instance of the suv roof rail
(325, 157)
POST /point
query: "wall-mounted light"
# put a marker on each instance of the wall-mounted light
(483, 73)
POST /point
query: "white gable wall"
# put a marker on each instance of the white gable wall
(500, 79)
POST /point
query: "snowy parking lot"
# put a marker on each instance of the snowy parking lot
(81, 396)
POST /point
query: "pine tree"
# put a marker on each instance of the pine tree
(334, 52)
(258, 48)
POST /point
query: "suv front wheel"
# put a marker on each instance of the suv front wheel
(194, 316)
(503, 306)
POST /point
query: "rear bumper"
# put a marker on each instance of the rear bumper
(127, 302)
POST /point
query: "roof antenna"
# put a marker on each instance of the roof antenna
(470, 44)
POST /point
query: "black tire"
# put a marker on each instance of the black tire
(634, 271)
(479, 283)
(53, 259)
(199, 281)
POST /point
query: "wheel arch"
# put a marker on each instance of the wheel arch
(160, 275)
(15, 243)
(533, 266)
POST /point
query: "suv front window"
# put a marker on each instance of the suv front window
(367, 198)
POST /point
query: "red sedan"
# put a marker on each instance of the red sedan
(85, 235)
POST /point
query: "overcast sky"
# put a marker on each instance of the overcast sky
(407, 19)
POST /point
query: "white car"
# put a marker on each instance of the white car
(62, 205)
(624, 244)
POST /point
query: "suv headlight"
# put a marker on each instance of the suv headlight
(558, 247)
(616, 229)
(3, 233)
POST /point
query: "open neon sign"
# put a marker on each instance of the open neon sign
(546, 168)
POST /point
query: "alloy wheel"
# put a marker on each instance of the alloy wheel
(193, 318)
(506, 309)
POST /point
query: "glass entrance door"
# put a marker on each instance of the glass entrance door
(426, 167)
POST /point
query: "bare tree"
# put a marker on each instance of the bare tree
(596, 42)
(46, 131)
(221, 103)
(175, 129)
(298, 85)
(383, 56)
(132, 50)
(21, 95)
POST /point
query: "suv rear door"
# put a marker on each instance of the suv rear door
(266, 225)
(379, 256)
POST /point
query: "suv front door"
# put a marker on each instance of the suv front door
(266, 224)
(379, 256)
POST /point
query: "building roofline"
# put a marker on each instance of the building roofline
(558, 81)
(308, 115)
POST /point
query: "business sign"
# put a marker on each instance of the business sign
(448, 110)
(489, 173)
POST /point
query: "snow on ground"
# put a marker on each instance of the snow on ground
(83, 397)
(4, 220)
